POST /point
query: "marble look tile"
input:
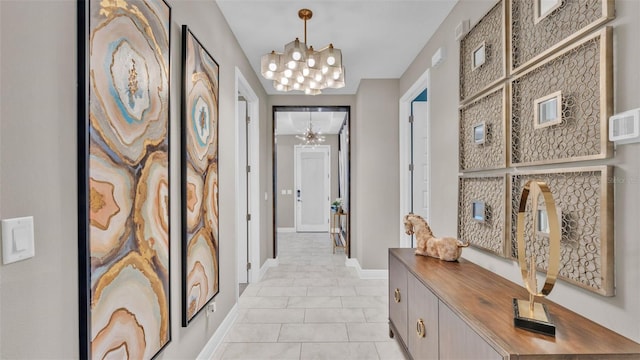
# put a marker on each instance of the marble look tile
(275, 282)
(279, 275)
(262, 302)
(270, 316)
(313, 333)
(333, 315)
(308, 268)
(253, 333)
(371, 291)
(311, 306)
(315, 282)
(377, 302)
(251, 290)
(374, 315)
(262, 351)
(390, 350)
(362, 282)
(331, 291)
(283, 291)
(312, 302)
(368, 332)
(343, 351)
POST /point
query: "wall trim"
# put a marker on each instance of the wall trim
(286, 229)
(367, 274)
(263, 270)
(215, 340)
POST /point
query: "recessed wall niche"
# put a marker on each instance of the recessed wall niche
(482, 53)
(534, 37)
(481, 214)
(582, 74)
(584, 199)
(482, 143)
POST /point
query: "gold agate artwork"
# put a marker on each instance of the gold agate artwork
(529, 314)
(123, 188)
(200, 118)
(445, 248)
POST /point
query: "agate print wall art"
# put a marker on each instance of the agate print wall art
(123, 178)
(200, 275)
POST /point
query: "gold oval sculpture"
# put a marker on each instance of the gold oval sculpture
(529, 314)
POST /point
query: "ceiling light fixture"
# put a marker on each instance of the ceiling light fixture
(309, 136)
(304, 69)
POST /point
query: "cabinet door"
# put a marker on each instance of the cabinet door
(398, 297)
(459, 341)
(422, 321)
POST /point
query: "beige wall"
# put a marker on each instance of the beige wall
(285, 161)
(374, 173)
(620, 313)
(38, 169)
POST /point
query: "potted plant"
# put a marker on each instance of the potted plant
(336, 205)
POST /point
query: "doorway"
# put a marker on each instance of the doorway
(415, 173)
(248, 183)
(300, 165)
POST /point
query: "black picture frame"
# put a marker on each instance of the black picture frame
(123, 177)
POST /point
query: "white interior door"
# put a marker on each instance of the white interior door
(421, 190)
(312, 180)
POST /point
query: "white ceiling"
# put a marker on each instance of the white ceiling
(296, 122)
(379, 38)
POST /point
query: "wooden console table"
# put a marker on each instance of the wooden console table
(459, 310)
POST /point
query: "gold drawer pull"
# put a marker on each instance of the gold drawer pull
(396, 295)
(422, 332)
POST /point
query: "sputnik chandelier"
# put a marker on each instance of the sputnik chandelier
(304, 69)
(309, 136)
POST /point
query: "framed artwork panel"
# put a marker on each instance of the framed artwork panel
(577, 85)
(482, 54)
(123, 178)
(481, 212)
(584, 202)
(539, 28)
(199, 180)
(483, 132)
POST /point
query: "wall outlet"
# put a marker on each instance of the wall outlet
(211, 308)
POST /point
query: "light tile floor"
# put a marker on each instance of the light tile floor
(311, 306)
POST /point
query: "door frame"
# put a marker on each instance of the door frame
(252, 129)
(274, 164)
(325, 149)
(418, 87)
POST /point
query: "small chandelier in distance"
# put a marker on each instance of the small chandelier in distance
(304, 69)
(309, 136)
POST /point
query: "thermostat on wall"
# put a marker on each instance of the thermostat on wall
(624, 128)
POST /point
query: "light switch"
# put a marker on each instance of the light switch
(284, 192)
(289, 192)
(17, 239)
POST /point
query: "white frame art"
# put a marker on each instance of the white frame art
(541, 118)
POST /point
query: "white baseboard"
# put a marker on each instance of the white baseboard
(286, 229)
(216, 339)
(366, 274)
(263, 270)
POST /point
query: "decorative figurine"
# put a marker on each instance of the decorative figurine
(446, 248)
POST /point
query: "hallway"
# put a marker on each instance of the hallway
(311, 306)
